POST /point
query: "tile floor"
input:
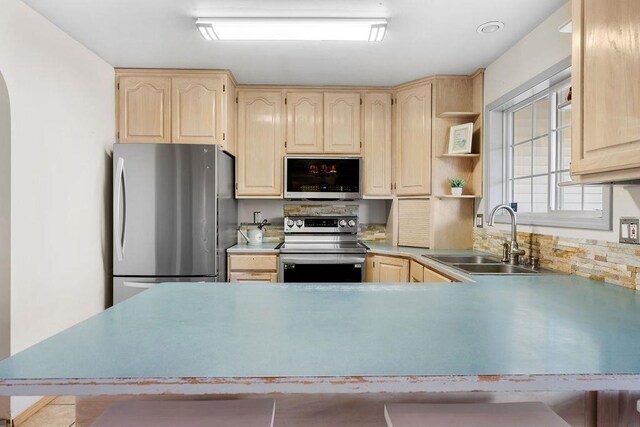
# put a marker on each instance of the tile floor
(61, 412)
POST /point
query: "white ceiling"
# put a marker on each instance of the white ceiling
(424, 37)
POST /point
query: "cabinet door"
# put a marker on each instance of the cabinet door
(260, 139)
(432, 276)
(377, 144)
(413, 141)
(370, 272)
(606, 86)
(144, 109)
(229, 122)
(390, 269)
(304, 122)
(342, 123)
(416, 272)
(197, 110)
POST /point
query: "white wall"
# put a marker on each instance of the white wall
(370, 212)
(5, 233)
(62, 127)
(538, 51)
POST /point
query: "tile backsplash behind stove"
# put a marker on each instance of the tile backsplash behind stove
(372, 215)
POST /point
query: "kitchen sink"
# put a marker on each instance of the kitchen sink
(484, 264)
(495, 269)
(464, 259)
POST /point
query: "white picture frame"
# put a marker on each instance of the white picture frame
(460, 138)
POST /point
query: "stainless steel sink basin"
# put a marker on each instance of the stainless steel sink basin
(495, 269)
(485, 264)
(464, 259)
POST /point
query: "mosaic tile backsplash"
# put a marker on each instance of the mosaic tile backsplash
(366, 232)
(374, 233)
(610, 262)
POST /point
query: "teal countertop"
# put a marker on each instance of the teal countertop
(262, 248)
(500, 333)
(374, 247)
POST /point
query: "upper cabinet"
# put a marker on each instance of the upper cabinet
(606, 90)
(304, 122)
(260, 141)
(144, 106)
(377, 145)
(342, 122)
(187, 107)
(197, 110)
(413, 141)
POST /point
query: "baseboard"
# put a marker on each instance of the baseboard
(31, 410)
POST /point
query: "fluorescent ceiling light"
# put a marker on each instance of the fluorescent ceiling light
(324, 29)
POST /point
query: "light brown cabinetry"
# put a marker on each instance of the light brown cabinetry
(179, 106)
(144, 109)
(416, 272)
(260, 141)
(342, 122)
(606, 90)
(197, 110)
(253, 268)
(389, 269)
(304, 122)
(377, 145)
(413, 141)
(422, 274)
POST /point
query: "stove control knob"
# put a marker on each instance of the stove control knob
(290, 223)
(342, 223)
(299, 223)
(352, 223)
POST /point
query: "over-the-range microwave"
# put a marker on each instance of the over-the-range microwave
(316, 177)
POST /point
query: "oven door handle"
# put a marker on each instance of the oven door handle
(322, 259)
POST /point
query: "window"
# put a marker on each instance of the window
(530, 135)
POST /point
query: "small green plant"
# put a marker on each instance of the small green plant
(456, 182)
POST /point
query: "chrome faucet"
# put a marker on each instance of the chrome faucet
(514, 251)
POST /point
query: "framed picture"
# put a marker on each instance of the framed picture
(460, 139)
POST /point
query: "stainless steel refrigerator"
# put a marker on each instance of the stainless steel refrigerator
(174, 215)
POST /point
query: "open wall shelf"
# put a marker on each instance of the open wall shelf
(464, 196)
(459, 115)
(467, 156)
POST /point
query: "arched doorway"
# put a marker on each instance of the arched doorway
(5, 234)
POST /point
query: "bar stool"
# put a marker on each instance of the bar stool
(194, 413)
(521, 414)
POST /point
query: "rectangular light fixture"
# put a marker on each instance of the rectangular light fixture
(298, 29)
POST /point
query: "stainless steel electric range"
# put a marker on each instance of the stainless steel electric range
(322, 249)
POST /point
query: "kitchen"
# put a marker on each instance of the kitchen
(512, 81)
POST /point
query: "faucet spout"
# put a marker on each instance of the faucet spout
(512, 214)
(514, 251)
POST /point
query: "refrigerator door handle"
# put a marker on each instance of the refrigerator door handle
(120, 228)
(146, 285)
(139, 285)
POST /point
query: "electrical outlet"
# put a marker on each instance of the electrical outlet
(629, 228)
(479, 220)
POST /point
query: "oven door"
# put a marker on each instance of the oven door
(321, 268)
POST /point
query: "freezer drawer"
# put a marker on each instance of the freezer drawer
(126, 287)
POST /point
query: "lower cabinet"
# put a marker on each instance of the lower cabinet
(253, 268)
(427, 275)
(382, 268)
(387, 269)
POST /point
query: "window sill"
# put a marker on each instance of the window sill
(581, 221)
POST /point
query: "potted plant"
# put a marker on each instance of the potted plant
(456, 185)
